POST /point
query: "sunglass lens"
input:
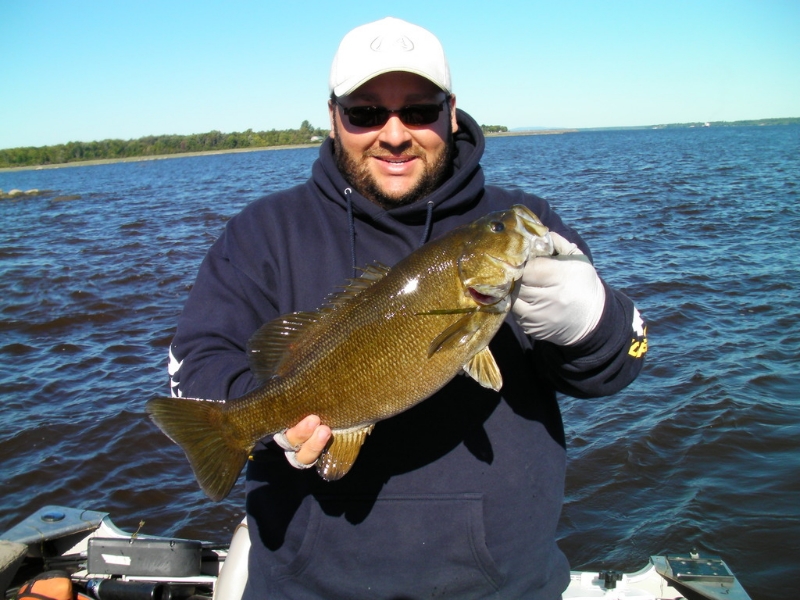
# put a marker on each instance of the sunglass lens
(368, 116)
(376, 116)
(421, 114)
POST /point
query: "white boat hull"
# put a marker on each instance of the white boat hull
(222, 572)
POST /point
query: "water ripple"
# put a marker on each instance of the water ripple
(699, 227)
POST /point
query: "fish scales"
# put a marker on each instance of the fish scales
(388, 327)
(391, 339)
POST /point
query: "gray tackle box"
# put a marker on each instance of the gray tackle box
(144, 557)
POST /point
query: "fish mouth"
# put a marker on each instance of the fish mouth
(509, 267)
(483, 299)
(536, 233)
(488, 295)
(512, 270)
(529, 222)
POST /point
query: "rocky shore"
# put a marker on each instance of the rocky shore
(20, 194)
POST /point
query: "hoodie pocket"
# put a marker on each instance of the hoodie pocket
(406, 546)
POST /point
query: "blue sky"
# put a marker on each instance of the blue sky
(82, 70)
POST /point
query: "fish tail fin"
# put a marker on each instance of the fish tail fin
(215, 454)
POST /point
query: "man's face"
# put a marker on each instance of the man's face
(394, 164)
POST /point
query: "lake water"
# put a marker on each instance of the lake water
(700, 226)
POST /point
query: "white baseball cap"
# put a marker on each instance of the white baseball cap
(385, 46)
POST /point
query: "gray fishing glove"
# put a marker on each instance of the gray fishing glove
(560, 298)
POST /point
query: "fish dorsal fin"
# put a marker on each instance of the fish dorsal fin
(337, 459)
(455, 335)
(374, 272)
(270, 344)
(369, 276)
(483, 368)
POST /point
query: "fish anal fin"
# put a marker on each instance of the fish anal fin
(455, 335)
(483, 368)
(342, 451)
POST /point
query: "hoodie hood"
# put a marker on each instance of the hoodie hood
(464, 185)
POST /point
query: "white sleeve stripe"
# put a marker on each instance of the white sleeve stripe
(173, 368)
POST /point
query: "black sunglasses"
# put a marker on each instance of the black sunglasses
(377, 116)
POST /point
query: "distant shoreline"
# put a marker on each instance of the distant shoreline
(109, 161)
(526, 132)
(530, 132)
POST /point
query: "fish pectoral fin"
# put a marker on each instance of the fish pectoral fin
(456, 335)
(341, 452)
(483, 368)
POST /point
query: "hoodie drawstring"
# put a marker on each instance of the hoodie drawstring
(352, 224)
(347, 194)
(428, 223)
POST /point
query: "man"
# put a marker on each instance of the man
(458, 497)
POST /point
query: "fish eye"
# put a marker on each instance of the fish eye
(497, 226)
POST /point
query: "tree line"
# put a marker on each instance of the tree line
(746, 123)
(156, 145)
(494, 128)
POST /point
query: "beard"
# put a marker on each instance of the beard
(436, 171)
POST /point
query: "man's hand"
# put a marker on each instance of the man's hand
(304, 442)
(560, 298)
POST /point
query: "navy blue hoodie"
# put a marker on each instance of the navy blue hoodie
(458, 497)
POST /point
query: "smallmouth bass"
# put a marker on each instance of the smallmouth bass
(391, 339)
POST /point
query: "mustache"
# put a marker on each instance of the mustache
(409, 153)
